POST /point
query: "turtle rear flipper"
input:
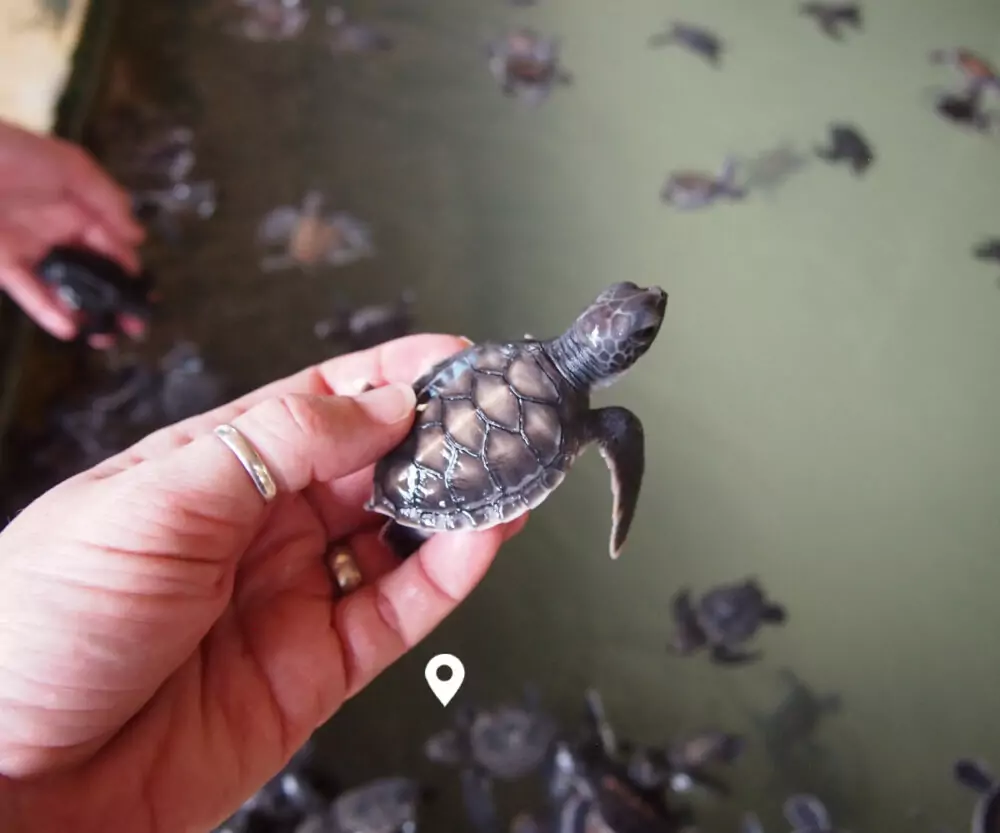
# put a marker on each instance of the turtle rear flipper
(621, 441)
(477, 796)
(725, 655)
(404, 541)
(774, 614)
(974, 775)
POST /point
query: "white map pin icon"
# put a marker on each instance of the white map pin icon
(445, 690)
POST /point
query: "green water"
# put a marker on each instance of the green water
(821, 407)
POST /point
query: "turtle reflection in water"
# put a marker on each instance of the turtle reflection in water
(977, 777)
(723, 619)
(688, 190)
(790, 728)
(804, 813)
(499, 425)
(309, 236)
(526, 65)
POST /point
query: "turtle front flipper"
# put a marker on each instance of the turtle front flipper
(774, 614)
(404, 541)
(621, 441)
(724, 655)
(974, 775)
(477, 796)
(806, 812)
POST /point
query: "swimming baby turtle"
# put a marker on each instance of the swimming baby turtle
(698, 39)
(791, 725)
(694, 189)
(526, 64)
(723, 619)
(499, 425)
(508, 741)
(110, 300)
(846, 144)
(310, 236)
(977, 777)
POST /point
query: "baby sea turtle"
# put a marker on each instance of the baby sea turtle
(792, 724)
(385, 805)
(831, 17)
(805, 814)
(693, 189)
(977, 71)
(499, 425)
(847, 145)
(699, 40)
(309, 236)
(110, 300)
(164, 206)
(725, 618)
(354, 37)
(977, 777)
(526, 65)
(506, 742)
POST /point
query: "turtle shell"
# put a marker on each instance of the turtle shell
(511, 742)
(382, 806)
(496, 430)
(729, 615)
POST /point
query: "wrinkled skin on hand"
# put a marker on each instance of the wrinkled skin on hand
(167, 640)
(52, 192)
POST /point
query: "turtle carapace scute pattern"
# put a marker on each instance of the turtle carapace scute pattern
(499, 425)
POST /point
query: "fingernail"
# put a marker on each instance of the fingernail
(388, 404)
(468, 341)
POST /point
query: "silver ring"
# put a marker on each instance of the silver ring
(250, 460)
(343, 568)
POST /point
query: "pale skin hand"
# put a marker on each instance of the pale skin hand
(167, 641)
(53, 193)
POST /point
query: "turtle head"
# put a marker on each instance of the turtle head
(611, 334)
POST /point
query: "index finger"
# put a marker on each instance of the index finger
(401, 360)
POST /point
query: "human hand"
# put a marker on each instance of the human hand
(167, 640)
(52, 192)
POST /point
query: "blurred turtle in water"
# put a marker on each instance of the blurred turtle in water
(791, 726)
(772, 168)
(988, 250)
(804, 813)
(385, 805)
(695, 38)
(367, 326)
(831, 17)
(723, 619)
(310, 237)
(109, 299)
(296, 792)
(977, 777)
(506, 742)
(689, 190)
(847, 145)
(977, 71)
(354, 37)
(164, 207)
(272, 20)
(168, 154)
(965, 108)
(680, 766)
(526, 65)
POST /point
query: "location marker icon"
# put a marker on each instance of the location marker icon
(450, 667)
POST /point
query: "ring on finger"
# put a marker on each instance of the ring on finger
(343, 568)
